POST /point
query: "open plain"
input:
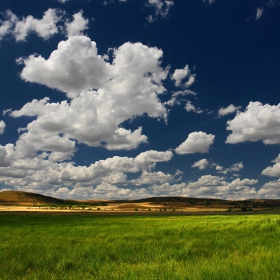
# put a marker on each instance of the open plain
(159, 238)
(57, 245)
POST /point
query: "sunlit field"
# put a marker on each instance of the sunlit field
(83, 246)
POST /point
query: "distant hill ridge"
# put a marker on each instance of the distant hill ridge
(28, 198)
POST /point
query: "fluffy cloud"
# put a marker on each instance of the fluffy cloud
(219, 168)
(208, 186)
(217, 187)
(2, 127)
(149, 178)
(258, 122)
(75, 66)
(84, 119)
(273, 171)
(124, 89)
(105, 191)
(40, 174)
(147, 160)
(6, 154)
(108, 178)
(180, 74)
(228, 110)
(45, 27)
(29, 143)
(167, 189)
(191, 108)
(161, 7)
(34, 142)
(270, 190)
(204, 163)
(77, 26)
(234, 168)
(197, 142)
(201, 164)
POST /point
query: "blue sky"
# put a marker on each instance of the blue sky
(132, 99)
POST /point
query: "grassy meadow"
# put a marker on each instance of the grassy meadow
(84, 246)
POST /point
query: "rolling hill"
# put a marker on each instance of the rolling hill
(21, 198)
(26, 198)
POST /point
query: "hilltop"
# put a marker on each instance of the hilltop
(27, 198)
(19, 199)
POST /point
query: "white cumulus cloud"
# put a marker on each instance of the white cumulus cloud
(181, 74)
(148, 178)
(197, 142)
(234, 168)
(191, 108)
(42, 175)
(257, 122)
(201, 164)
(44, 27)
(49, 25)
(228, 110)
(147, 160)
(274, 170)
(75, 66)
(208, 186)
(122, 90)
(77, 26)
(270, 190)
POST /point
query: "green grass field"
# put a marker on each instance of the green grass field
(73, 246)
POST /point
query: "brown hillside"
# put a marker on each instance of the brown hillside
(207, 203)
(29, 199)
(26, 198)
